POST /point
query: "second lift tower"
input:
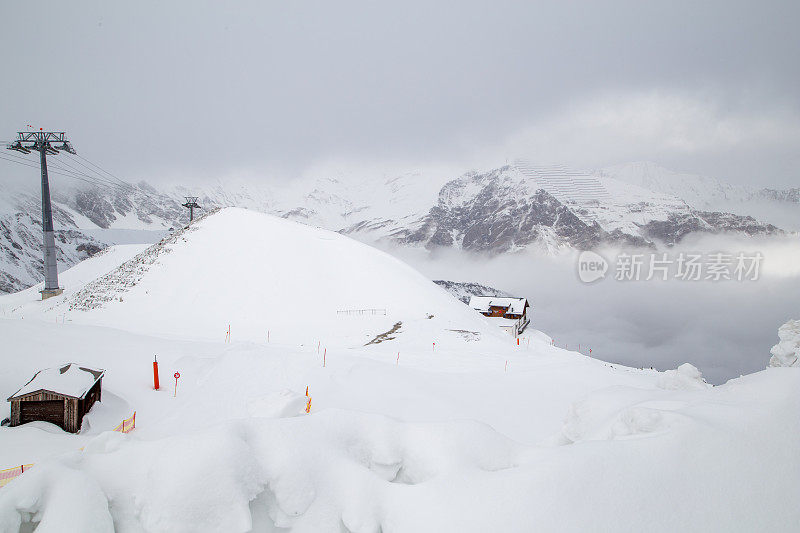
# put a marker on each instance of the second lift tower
(43, 142)
(191, 204)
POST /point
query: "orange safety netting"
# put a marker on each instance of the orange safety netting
(127, 425)
(7, 475)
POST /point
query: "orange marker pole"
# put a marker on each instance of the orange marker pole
(324, 356)
(155, 373)
(398, 358)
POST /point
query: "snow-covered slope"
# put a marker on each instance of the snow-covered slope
(222, 271)
(477, 433)
(698, 191)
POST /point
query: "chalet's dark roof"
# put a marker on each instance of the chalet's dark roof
(69, 379)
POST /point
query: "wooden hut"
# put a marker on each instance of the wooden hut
(511, 314)
(60, 395)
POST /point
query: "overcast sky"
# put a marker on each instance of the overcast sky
(177, 89)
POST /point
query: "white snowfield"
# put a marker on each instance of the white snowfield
(473, 433)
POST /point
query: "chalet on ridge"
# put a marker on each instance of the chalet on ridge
(60, 395)
(511, 314)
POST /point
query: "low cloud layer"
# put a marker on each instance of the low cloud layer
(725, 328)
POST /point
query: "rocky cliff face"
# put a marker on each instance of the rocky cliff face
(104, 206)
(464, 290)
(791, 196)
(679, 225)
(21, 260)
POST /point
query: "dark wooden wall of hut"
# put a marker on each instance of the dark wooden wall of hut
(73, 409)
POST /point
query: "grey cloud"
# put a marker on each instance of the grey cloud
(160, 88)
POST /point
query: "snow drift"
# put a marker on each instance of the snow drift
(787, 351)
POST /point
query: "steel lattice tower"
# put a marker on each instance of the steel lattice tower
(191, 204)
(43, 142)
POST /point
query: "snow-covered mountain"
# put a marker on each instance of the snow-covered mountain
(777, 206)
(506, 209)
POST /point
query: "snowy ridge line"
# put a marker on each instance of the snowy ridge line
(102, 290)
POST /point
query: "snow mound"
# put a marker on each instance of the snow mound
(278, 404)
(266, 276)
(685, 377)
(787, 351)
(622, 412)
(617, 413)
(52, 498)
(252, 475)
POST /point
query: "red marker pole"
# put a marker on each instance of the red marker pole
(177, 375)
(155, 372)
(324, 356)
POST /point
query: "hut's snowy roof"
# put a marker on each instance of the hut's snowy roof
(68, 379)
(482, 303)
